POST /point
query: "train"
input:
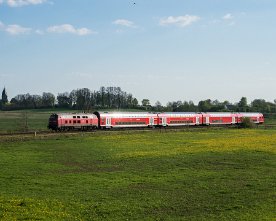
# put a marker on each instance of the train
(108, 120)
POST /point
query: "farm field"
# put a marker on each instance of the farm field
(20, 121)
(222, 174)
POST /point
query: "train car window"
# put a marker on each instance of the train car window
(66, 121)
(217, 121)
(74, 116)
(74, 121)
(87, 121)
(181, 121)
(78, 116)
(70, 121)
(130, 123)
(78, 121)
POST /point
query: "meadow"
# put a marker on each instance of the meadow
(21, 121)
(207, 174)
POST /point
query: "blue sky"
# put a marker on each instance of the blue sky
(161, 50)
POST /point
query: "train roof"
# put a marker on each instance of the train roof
(114, 114)
(178, 113)
(220, 114)
(70, 115)
(250, 114)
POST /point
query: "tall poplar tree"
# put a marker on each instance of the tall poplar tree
(4, 96)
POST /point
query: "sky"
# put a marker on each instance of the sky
(165, 50)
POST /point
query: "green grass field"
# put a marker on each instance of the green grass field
(18, 121)
(222, 174)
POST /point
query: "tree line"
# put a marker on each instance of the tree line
(87, 100)
(80, 99)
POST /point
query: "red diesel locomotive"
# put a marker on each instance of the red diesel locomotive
(81, 121)
(100, 120)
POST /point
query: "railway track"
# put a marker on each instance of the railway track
(75, 132)
(160, 129)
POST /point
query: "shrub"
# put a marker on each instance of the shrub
(247, 123)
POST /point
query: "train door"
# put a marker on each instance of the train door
(207, 121)
(151, 123)
(197, 120)
(233, 120)
(258, 120)
(164, 121)
(108, 122)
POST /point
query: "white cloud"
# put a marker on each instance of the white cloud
(1, 25)
(14, 29)
(181, 21)
(67, 28)
(17, 29)
(124, 22)
(228, 17)
(39, 32)
(19, 3)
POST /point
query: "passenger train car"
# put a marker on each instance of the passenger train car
(101, 120)
(257, 118)
(126, 119)
(179, 119)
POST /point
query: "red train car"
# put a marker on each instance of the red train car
(126, 119)
(179, 118)
(219, 118)
(63, 121)
(257, 118)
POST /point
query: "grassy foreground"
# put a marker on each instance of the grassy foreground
(199, 175)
